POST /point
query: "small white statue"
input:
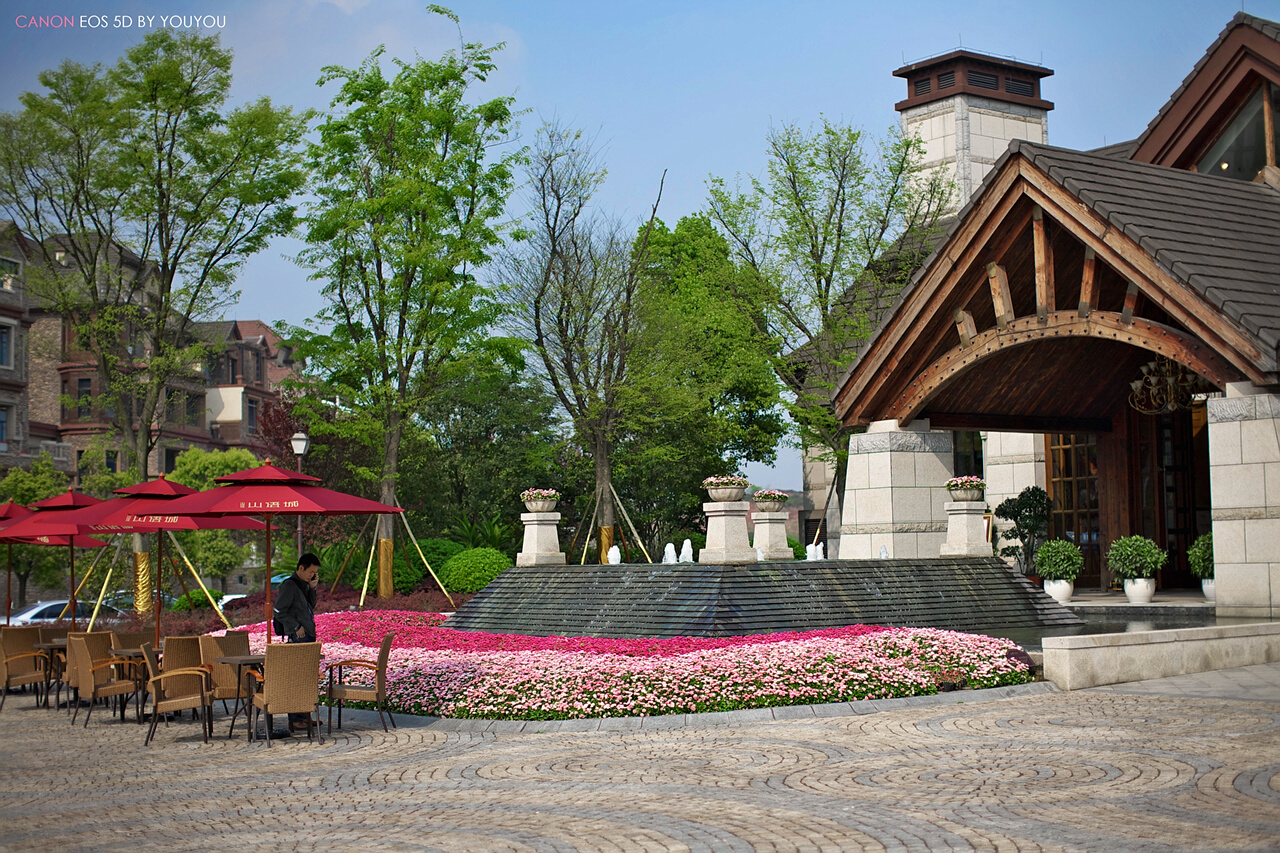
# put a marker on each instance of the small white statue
(686, 552)
(822, 551)
(809, 551)
(615, 555)
(669, 554)
(760, 555)
(884, 552)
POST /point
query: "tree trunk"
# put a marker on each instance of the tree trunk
(387, 495)
(604, 491)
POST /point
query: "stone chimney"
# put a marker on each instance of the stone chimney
(966, 107)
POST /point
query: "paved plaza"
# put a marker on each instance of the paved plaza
(1189, 763)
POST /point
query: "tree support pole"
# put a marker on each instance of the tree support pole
(590, 525)
(626, 517)
(351, 551)
(418, 548)
(364, 589)
(196, 575)
(105, 581)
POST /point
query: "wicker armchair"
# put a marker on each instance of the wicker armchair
(289, 684)
(99, 643)
(233, 644)
(177, 690)
(97, 675)
(341, 691)
(20, 662)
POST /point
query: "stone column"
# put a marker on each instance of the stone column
(1244, 479)
(966, 531)
(727, 540)
(895, 491)
(771, 535)
(541, 540)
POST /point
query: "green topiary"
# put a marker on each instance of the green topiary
(406, 577)
(472, 570)
(1059, 560)
(194, 600)
(797, 548)
(1135, 557)
(438, 551)
(1200, 557)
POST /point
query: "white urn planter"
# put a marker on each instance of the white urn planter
(1060, 591)
(966, 494)
(770, 506)
(540, 506)
(1206, 584)
(726, 493)
(1139, 590)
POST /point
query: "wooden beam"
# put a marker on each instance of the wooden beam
(1000, 296)
(1088, 283)
(965, 327)
(1046, 296)
(1269, 123)
(1130, 303)
(1016, 423)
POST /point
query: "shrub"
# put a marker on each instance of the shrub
(438, 551)
(1200, 556)
(1059, 560)
(472, 570)
(194, 600)
(1135, 557)
(797, 548)
(1029, 512)
(406, 577)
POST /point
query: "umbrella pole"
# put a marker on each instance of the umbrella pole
(8, 589)
(268, 583)
(72, 549)
(159, 578)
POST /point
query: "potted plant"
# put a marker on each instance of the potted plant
(1136, 559)
(1029, 513)
(1059, 563)
(726, 487)
(540, 500)
(967, 488)
(770, 500)
(1200, 559)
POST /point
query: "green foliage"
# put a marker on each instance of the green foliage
(474, 569)
(1135, 557)
(487, 533)
(1059, 560)
(1030, 512)
(214, 553)
(199, 468)
(406, 577)
(1200, 556)
(194, 600)
(797, 548)
(46, 566)
(438, 551)
(26, 486)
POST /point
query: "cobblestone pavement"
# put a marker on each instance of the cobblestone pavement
(1099, 770)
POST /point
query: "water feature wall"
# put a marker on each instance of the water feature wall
(707, 600)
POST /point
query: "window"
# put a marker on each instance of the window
(111, 459)
(171, 458)
(1241, 151)
(1019, 87)
(924, 87)
(946, 79)
(84, 394)
(1073, 486)
(9, 270)
(983, 80)
(4, 423)
(195, 410)
(967, 453)
(251, 416)
(6, 345)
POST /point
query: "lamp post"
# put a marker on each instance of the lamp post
(300, 441)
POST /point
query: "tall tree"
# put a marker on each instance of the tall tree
(145, 194)
(409, 190)
(831, 234)
(575, 295)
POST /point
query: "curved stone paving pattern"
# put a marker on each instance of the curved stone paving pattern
(1092, 771)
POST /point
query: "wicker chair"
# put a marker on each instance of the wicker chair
(20, 662)
(177, 690)
(99, 649)
(289, 684)
(97, 676)
(181, 653)
(234, 643)
(341, 691)
(129, 641)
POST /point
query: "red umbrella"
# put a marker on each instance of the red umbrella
(9, 513)
(49, 532)
(268, 491)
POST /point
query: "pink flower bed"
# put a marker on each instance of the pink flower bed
(438, 671)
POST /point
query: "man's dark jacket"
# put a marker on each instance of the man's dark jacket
(295, 606)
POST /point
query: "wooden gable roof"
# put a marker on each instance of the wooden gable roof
(1065, 274)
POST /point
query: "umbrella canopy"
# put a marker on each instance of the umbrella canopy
(26, 530)
(269, 491)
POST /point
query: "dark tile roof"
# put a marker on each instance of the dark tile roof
(1218, 235)
(1118, 150)
(1270, 29)
(691, 599)
(214, 332)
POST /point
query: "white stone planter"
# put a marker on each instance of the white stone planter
(770, 506)
(1139, 590)
(726, 493)
(966, 494)
(1060, 591)
(1206, 584)
(540, 506)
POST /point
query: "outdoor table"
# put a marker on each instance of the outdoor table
(241, 662)
(53, 658)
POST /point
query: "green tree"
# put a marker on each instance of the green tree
(145, 194)
(408, 192)
(46, 565)
(831, 234)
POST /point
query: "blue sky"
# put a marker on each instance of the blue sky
(687, 87)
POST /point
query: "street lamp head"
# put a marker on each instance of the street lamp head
(300, 442)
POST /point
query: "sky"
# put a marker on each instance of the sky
(690, 88)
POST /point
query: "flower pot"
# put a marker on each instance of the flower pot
(726, 493)
(1060, 591)
(1206, 584)
(1139, 590)
(770, 506)
(966, 494)
(540, 506)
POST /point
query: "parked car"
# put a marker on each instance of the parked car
(47, 612)
(227, 599)
(276, 580)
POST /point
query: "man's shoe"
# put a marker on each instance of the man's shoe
(300, 726)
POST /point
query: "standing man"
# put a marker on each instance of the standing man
(295, 612)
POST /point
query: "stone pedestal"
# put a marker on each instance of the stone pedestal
(541, 540)
(966, 530)
(727, 540)
(771, 535)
